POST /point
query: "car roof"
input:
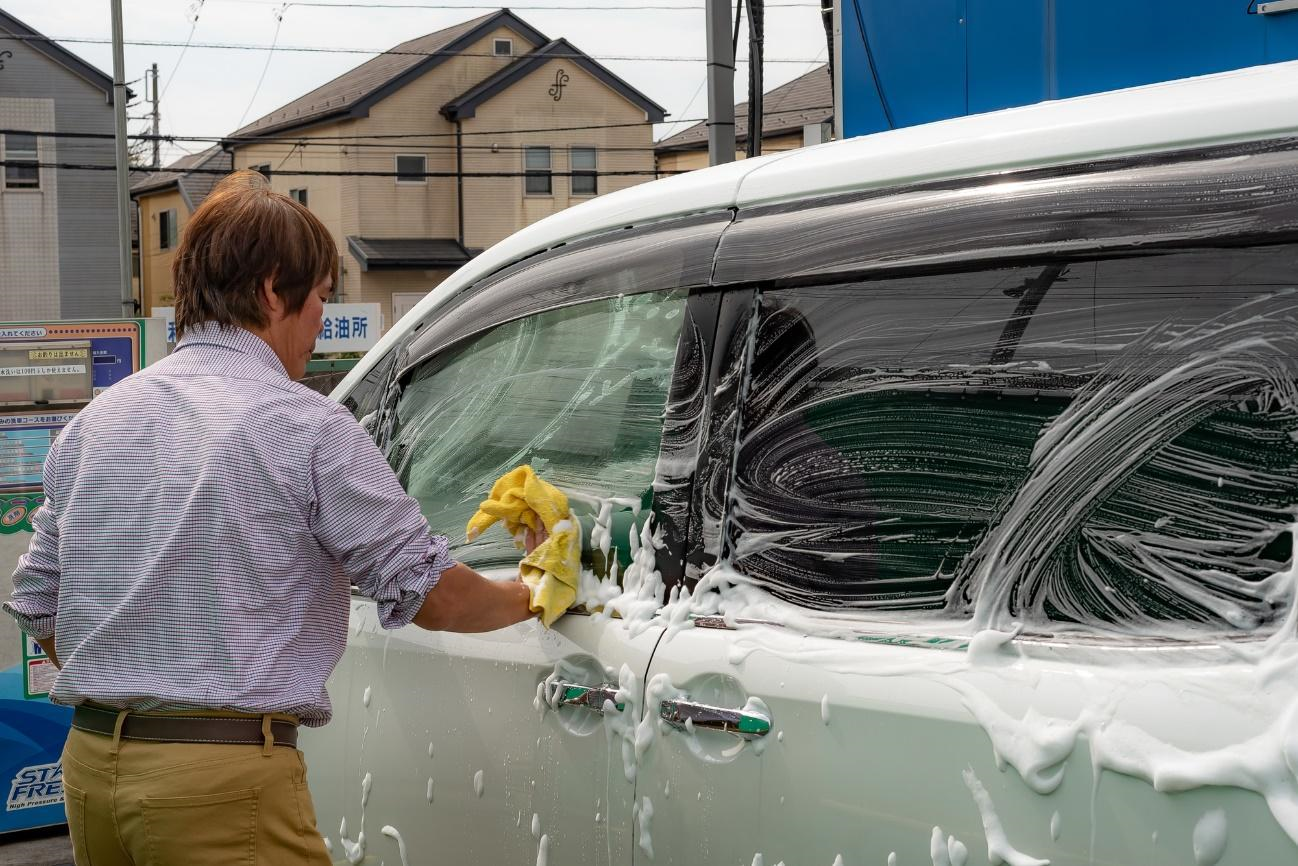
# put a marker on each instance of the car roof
(1243, 105)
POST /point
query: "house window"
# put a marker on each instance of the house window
(22, 170)
(167, 229)
(298, 195)
(263, 169)
(582, 162)
(536, 166)
(503, 48)
(411, 168)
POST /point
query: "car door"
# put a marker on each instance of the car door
(500, 747)
(1004, 548)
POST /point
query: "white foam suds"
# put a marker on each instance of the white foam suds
(824, 709)
(937, 849)
(838, 860)
(999, 849)
(536, 825)
(429, 793)
(757, 860)
(329, 846)
(430, 749)
(1210, 838)
(367, 783)
(892, 858)
(365, 696)
(355, 851)
(543, 851)
(1054, 826)
(645, 820)
(392, 833)
(478, 783)
(957, 851)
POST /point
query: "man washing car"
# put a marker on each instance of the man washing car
(190, 570)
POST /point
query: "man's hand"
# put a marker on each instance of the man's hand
(534, 539)
(47, 644)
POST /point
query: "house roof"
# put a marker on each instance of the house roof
(193, 186)
(806, 99)
(354, 92)
(379, 253)
(465, 105)
(58, 54)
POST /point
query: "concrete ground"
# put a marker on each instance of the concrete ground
(55, 850)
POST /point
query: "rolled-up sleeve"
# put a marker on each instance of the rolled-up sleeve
(35, 598)
(369, 524)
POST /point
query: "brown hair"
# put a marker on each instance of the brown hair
(242, 235)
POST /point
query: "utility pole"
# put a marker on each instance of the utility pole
(157, 122)
(123, 165)
(756, 33)
(721, 84)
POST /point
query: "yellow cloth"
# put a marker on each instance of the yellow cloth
(523, 501)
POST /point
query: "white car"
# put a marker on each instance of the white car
(940, 485)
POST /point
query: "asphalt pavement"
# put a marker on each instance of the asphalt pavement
(37, 851)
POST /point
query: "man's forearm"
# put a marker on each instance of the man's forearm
(465, 601)
(47, 644)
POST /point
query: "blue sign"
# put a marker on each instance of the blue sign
(904, 64)
(31, 743)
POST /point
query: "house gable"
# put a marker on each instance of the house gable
(354, 93)
(57, 53)
(466, 105)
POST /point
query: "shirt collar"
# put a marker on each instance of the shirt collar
(232, 337)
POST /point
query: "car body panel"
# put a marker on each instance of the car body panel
(870, 744)
(442, 737)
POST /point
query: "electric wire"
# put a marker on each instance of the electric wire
(312, 49)
(77, 166)
(279, 22)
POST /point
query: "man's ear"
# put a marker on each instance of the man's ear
(271, 301)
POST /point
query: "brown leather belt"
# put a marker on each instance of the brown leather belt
(184, 729)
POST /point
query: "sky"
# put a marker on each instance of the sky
(211, 91)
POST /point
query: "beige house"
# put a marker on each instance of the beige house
(164, 201)
(446, 144)
(794, 115)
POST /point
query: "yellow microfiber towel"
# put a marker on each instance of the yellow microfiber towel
(523, 501)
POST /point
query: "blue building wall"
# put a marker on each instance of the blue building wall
(905, 63)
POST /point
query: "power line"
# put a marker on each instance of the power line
(78, 166)
(406, 139)
(279, 22)
(409, 139)
(310, 49)
(197, 10)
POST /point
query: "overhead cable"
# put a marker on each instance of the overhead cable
(311, 49)
(86, 166)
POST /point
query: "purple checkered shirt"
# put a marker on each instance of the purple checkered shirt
(204, 521)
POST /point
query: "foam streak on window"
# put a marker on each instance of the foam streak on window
(1082, 445)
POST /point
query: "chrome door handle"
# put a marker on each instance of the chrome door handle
(688, 715)
(590, 697)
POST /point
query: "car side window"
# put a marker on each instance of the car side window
(1104, 444)
(577, 392)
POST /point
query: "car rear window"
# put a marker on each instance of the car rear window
(1093, 444)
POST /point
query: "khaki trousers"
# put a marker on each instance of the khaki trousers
(135, 803)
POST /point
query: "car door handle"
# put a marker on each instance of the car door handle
(590, 697)
(688, 715)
